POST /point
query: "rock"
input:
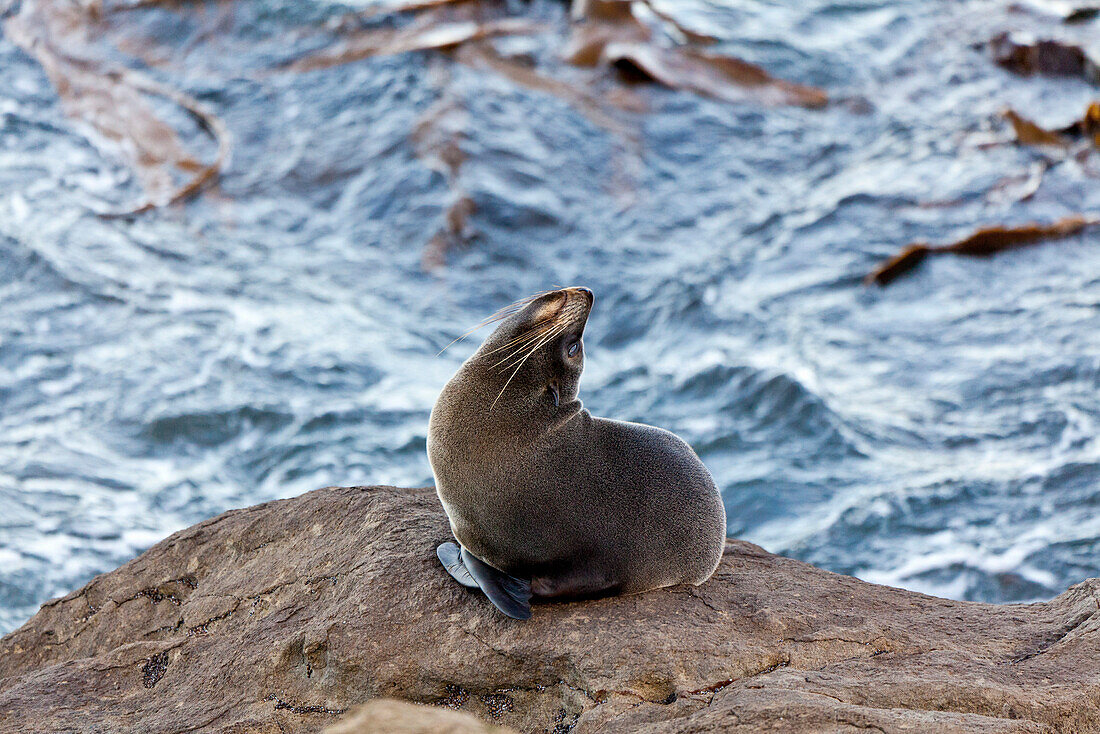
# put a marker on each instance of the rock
(387, 716)
(283, 616)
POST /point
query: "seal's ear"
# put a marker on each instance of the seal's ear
(543, 308)
(552, 388)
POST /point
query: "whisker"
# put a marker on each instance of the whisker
(522, 344)
(530, 333)
(535, 330)
(499, 315)
(535, 348)
(536, 337)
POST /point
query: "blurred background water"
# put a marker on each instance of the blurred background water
(280, 333)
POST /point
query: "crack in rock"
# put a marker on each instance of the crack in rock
(1082, 619)
(298, 708)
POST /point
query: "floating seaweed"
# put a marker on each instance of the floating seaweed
(1045, 57)
(607, 32)
(113, 100)
(602, 33)
(1085, 129)
(437, 140)
(204, 175)
(69, 41)
(982, 243)
(1028, 133)
(722, 77)
(428, 32)
(597, 23)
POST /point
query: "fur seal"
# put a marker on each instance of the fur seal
(548, 501)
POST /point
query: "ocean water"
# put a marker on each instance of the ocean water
(281, 332)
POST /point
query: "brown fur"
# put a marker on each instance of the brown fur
(579, 505)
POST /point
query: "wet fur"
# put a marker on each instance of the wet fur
(581, 506)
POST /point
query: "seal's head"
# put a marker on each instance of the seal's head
(536, 353)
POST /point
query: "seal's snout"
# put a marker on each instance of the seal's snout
(578, 297)
(577, 303)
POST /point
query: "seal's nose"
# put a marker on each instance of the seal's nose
(587, 294)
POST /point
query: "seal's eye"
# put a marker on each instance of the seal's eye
(573, 349)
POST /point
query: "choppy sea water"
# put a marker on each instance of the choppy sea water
(281, 332)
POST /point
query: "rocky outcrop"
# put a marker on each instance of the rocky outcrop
(283, 616)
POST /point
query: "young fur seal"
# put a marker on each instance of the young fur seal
(545, 499)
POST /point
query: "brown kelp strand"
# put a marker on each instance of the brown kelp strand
(1077, 139)
(711, 75)
(428, 32)
(608, 33)
(437, 140)
(1085, 129)
(73, 42)
(1045, 57)
(597, 23)
(982, 243)
(114, 100)
(1028, 133)
(204, 175)
(600, 33)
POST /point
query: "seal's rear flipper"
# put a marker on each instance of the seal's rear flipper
(508, 594)
(449, 556)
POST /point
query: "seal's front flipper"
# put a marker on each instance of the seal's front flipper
(450, 556)
(508, 594)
